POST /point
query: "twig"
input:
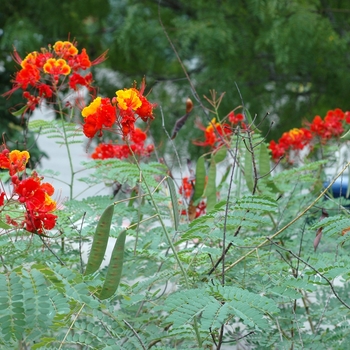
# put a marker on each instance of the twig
(51, 251)
(135, 333)
(315, 270)
(71, 325)
(291, 222)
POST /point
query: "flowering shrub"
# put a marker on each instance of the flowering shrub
(43, 74)
(28, 192)
(319, 130)
(232, 260)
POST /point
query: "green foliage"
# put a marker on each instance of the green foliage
(53, 129)
(129, 270)
(99, 244)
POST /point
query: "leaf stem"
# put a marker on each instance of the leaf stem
(268, 239)
(172, 247)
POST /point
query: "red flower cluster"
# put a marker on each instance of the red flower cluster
(137, 146)
(123, 110)
(318, 130)
(215, 134)
(295, 139)
(41, 72)
(30, 192)
(237, 119)
(186, 190)
(100, 113)
(331, 126)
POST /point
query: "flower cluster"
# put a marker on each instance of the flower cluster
(319, 130)
(186, 190)
(216, 133)
(136, 146)
(42, 74)
(122, 111)
(29, 192)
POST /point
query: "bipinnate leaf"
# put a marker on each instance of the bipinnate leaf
(174, 201)
(115, 268)
(100, 241)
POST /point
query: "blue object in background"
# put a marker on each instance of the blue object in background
(339, 188)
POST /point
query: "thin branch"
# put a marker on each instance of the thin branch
(135, 333)
(71, 325)
(315, 270)
(291, 222)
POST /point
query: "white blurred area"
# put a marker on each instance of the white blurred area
(58, 162)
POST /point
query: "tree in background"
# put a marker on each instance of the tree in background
(288, 58)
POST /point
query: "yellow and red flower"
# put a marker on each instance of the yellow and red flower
(30, 192)
(214, 133)
(44, 72)
(322, 129)
(99, 114)
(56, 67)
(128, 98)
(15, 160)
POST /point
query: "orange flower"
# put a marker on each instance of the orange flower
(29, 75)
(100, 113)
(15, 160)
(128, 98)
(212, 134)
(56, 67)
(92, 107)
(30, 59)
(65, 49)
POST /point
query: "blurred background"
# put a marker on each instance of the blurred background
(287, 57)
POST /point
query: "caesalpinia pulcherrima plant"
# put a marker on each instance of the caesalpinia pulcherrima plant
(28, 192)
(232, 261)
(318, 131)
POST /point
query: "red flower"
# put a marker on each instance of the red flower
(277, 150)
(15, 160)
(104, 151)
(29, 75)
(127, 121)
(214, 133)
(45, 90)
(235, 118)
(347, 117)
(145, 111)
(137, 137)
(331, 126)
(2, 198)
(186, 189)
(65, 49)
(81, 61)
(295, 139)
(36, 222)
(33, 101)
(56, 67)
(76, 79)
(99, 114)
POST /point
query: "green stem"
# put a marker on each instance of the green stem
(67, 147)
(172, 247)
